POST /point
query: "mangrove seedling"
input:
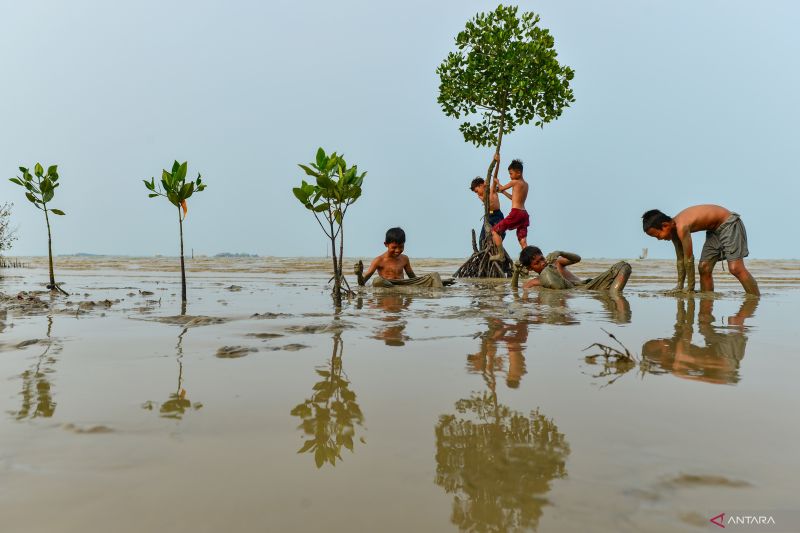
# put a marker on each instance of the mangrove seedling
(174, 187)
(40, 188)
(335, 189)
(504, 74)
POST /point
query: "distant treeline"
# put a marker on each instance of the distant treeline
(6, 262)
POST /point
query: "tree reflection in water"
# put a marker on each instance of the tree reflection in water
(177, 403)
(330, 416)
(497, 462)
(37, 396)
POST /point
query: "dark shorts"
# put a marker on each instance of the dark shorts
(517, 219)
(728, 241)
(494, 218)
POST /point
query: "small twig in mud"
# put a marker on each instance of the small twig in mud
(617, 362)
(610, 351)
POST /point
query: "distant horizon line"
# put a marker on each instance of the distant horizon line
(243, 255)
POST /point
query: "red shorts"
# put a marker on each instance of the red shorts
(517, 219)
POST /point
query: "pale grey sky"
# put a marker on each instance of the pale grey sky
(678, 102)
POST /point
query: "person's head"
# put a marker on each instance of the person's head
(532, 258)
(478, 186)
(395, 241)
(658, 225)
(515, 169)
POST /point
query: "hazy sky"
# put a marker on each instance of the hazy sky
(678, 102)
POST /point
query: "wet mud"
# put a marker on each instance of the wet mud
(477, 407)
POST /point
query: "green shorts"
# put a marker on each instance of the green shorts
(432, 280)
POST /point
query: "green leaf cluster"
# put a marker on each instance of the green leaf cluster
(334, 188)
(505, 71)
(40, 187)
(498, 464)
(173, 185)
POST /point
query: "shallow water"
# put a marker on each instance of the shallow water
(471, 409)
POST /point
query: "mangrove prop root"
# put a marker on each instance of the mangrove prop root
(479, 266)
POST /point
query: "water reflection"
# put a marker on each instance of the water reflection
(37, 395)
(330, 416)
(488, 362)
(552, 306)
(391, 306)
(177, 404)
(717, 361)
(497, 463)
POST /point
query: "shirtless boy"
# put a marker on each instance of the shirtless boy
(726, 238)
(553, 272)
(391, 265)
(518, 217)
(478, 186)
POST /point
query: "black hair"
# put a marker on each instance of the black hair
(475, 183)
(395, 235)
(515, 165)
(528, 254)
(653, 219)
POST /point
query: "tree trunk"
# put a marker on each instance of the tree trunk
(52, 285)
(183, 267)
(478, 264)
(337, 281)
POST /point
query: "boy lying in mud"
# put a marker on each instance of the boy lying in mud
(726, 238)
(391, 265)
(553, 272)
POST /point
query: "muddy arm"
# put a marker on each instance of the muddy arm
(679, 264)
(569, 258)
(688, 258)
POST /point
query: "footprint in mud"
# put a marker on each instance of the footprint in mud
(92, 430)
(28, 342)
(335, 327)
(265, 336)
(288, 347)
(234, 352)
(701, 480)
(269, 315)
(190, 320)
(233, 288)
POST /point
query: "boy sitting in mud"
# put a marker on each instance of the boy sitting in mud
(553, 272)
(726, 238)
(391, 265)
(518, 217)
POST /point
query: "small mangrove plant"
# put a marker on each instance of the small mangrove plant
(174, 187)
(40, 189)
(504, 74)
(335, 188)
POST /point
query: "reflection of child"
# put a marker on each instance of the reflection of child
(726, 238)
(514, 336)
(716, 362)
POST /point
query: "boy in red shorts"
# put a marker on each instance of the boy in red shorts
(518, 217)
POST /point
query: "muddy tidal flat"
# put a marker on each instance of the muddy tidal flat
(468, 409)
